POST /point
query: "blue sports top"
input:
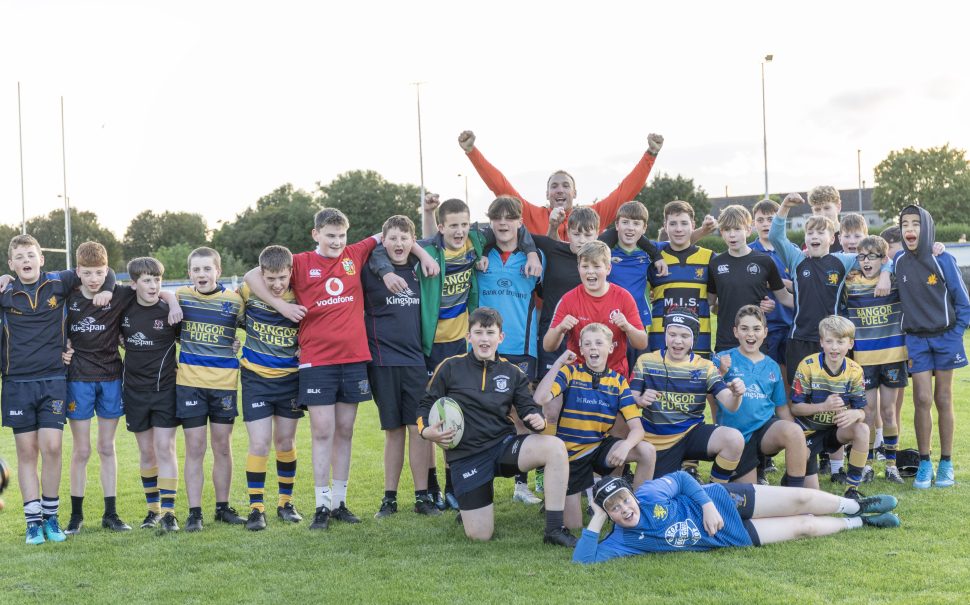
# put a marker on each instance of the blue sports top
(764, 391)
(506, 288)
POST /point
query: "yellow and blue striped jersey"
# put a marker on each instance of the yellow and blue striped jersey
(590, 406)
(814, 382)
(271, 346)
(683, 387)
(209, 321)
(685, 285)
(878, 321)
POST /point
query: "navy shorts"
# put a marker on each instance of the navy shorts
(397, 392)
(795, 352)
(942, 351)
(693, 446)
(441, 351)
(742, 495)
(548, 359)
(527, 363)
(472, 476)
(892, 375)
(581, 469)
(818, 442)
(149, 409)
(195, 405)
(775, 345)
(266, 397)
(751, 454)
(327, 385)
(85, 399)
(33, 404)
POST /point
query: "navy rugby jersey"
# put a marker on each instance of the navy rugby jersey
(149, 343)
(93, 331)
(393, 321)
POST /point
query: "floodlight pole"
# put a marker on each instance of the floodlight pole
(764, 118)
(858, 156)
(417, 92)
(23, 202)
(67, 200)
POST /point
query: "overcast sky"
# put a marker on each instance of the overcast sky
(206, 106)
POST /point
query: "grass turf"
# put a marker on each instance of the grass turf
(412, 559)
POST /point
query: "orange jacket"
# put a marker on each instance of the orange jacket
(536, 218)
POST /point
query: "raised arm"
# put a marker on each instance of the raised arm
(787, 251)
(632, 184)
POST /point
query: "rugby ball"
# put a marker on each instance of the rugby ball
(448, 410)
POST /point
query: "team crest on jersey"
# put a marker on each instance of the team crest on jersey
(616, 260)
(806, 273)
(754, 269)
(659, 512)
(348, 265)
(52, 302)
(695, 374)
(57, 406)
(931, 280)
(682, 533)
(227, 308)
(501, 383)
(158, 325)
(699, 272)
(832, 278)
(772, 377)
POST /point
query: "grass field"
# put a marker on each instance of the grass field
(411, 559)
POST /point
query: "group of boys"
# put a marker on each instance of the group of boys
(543, 343)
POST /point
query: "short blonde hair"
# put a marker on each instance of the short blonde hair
(596, 327)
(817, 221)
(837, 326)
(853, 222)
(22, 241)
(594, 251)
(734, 216)
(824, 194)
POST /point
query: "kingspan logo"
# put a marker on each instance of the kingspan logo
(88, 324)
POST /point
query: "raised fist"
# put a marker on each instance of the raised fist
(557, 216)
(466, 140)
(654, 143)
(792, 199)
(431, 201)
(724, 364)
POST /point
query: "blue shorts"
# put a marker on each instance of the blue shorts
(195, 405)
(775, 344)
(526, 363)
(942, 351)
(327, 385)
(33, 404)
(265, 397)
(85, 399)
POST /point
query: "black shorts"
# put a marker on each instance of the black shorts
(472, 476)
(441, 351)
(581, 469)
(795, 352)
(893, 375)
(327, 385)
(751, 454)
(548, 358)
(743, 494)
(195, 405)
(265, 397)
(33, 404)
(397, 392)
(149, 409)
(693, 446)
(818, 442)
(526, 363)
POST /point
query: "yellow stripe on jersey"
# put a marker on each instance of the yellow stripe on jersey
(271, 339)
(588, 413)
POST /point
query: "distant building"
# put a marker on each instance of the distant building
(850, 203)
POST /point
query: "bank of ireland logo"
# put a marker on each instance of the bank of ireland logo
(334, 286)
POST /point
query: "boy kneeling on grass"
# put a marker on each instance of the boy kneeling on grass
(486, 387)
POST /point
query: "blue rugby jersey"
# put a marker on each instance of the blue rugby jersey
(630, 273)
(671, 519)
(764, 391)
(781, 316)
(588, 413)
(506, 288)
(271, 347)
(209, 325)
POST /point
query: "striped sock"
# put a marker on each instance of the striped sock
(256, 480)
(890, 440)
(857, 460)
(32, 512)
(49, 506)
(167, 486)
(722, 469)
(149, 482)
(286, 474)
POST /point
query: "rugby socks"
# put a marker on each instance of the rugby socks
(77, 506)
(167, 487)
(419, 494)
(322, 494)
(554, 520)
(339, 492)
(790, 481)
(880, 438)
(286, 474)
(149, 482)
(835, 465)
(49, 506)
(722, 469)
(944, 459)
(857, 460)
(522, 478)
(256, 481)
(433, 486)
(32, 511)
(872, 448)
(890, 441)
(923, 457)
(853, 522)
(110, 507)
(391, 495)
(449, 489)
(847, 506)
